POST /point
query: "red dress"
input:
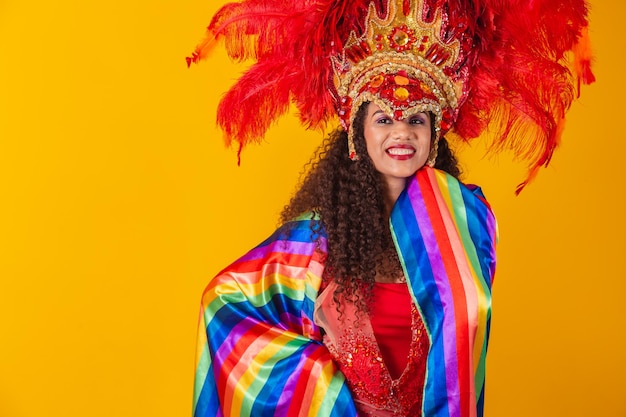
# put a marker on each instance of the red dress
(362, 359)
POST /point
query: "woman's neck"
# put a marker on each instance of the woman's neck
(392, 189)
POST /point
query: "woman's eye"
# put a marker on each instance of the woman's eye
(384, 120)
(416, 121)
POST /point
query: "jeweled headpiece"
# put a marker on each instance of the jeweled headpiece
(412, 59)
(502, 64)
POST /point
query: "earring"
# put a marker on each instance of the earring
(432, 157)
(351, 148)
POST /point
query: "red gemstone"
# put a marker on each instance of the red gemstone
(406, 7)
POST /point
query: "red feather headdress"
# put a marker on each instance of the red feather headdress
(505, 64)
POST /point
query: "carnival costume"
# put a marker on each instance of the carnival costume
(261, 352)
(472, 65)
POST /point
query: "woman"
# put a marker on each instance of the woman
(365, 308)
(374, 297)
(262, 298)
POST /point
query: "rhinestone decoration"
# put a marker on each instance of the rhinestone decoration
(409, 61)
(358, 357)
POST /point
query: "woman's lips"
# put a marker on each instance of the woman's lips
(401, 152)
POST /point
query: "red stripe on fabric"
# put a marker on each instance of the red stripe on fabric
(284, 266)
(301, 400)
(278, 257)
(456, 286)
(226, 368)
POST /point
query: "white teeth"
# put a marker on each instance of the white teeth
(400, 151)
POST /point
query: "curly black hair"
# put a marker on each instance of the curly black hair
(348, 199)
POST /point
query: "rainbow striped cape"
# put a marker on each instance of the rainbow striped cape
(260, 353)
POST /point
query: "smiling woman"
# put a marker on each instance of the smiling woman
(297, 326)
(397, 148)
(120, 202)
(365, 307)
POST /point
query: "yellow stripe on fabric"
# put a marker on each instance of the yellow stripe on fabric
(203, 360)
(454, 199)
(444, 186)
(313, 283)
(457, 207)
(446, 197)
(258, 293)
(203, 344)
(313, 279)
(324, 384)
(456, 234)
(249, 370)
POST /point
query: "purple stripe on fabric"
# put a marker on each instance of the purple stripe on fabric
(289, 389)
(234, 335)
(491, 228)
(445, 295)
(290, 321)
(280, 246)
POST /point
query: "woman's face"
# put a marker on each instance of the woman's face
(398, 148)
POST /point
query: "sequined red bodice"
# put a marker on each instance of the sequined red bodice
(351, 341)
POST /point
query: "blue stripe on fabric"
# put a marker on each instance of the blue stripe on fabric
(208, 404)
(227, 318)
(266, 401)
(479, 233)
(406, 229)
(230, 315)
(279, 304)
(480, 404)
(478, 214)
(344, 406)
(297, 231)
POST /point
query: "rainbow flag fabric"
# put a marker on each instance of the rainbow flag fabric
(445, 234)
(261, 354)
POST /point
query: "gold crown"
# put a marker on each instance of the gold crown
(406, 62)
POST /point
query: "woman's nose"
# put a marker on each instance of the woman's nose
(401, 129)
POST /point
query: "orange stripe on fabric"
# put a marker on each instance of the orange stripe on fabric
(277, 257)
(251, 285)
(271, 352)
(467, 273)
(254, 349)
(478, 285)
(227, 380)
(467, 277)
(321, 384)
(305, 388)
(455, 281)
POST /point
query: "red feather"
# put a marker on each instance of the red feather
(520, 82)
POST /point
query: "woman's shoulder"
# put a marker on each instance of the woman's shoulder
(306, 226)
(303, 235)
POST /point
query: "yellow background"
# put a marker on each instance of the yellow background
(119, 202)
